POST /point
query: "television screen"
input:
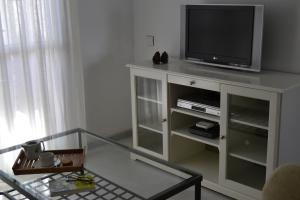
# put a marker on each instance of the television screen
(220, 34)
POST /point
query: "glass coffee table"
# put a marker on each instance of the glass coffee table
(117, 175)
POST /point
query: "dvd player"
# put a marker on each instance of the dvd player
(209, 104)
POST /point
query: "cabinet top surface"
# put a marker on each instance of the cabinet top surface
(265, 80)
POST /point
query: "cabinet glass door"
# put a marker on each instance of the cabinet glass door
(150, 126)
(248, 128)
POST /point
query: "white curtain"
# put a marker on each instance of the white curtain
(41, 84)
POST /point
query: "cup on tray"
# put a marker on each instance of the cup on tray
(47, 159)
(33, 149)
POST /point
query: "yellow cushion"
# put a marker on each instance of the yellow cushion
(284, 184)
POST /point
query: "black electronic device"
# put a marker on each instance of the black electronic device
(212, 133)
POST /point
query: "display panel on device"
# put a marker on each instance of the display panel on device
(229, 35)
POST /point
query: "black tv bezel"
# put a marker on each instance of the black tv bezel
(222, 60)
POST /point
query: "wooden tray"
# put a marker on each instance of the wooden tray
(24, 166)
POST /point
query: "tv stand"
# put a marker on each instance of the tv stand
(258, 123)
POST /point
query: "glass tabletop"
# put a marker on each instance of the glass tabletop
(116, 170)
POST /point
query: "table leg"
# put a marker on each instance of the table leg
(79, 135)
(82, 172)
(198, 191)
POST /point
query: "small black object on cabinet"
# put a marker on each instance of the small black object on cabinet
(164, 58)
(156, 58)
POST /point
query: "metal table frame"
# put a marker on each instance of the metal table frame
(194, 180)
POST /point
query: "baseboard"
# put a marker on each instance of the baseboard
(121, 135)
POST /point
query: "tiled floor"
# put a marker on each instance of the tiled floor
(3, 186)
(207, 194)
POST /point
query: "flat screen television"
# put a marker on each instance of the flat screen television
(223, 35)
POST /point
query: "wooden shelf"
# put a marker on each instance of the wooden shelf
(184, 132)
(149, 100)
(250, 148)
(196, 114)
(258, 119)
(155, 127)
(205, 163)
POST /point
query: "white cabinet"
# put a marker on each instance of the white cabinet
(248, 138)
(258, 124)
(149, 110)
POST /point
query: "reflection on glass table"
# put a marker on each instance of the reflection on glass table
(116, 175)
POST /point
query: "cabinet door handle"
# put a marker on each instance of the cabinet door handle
(192, 82)
(164, 120)
(223, 137)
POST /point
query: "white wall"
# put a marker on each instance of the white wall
(112, 31)
(162, 18)
(106, 29)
